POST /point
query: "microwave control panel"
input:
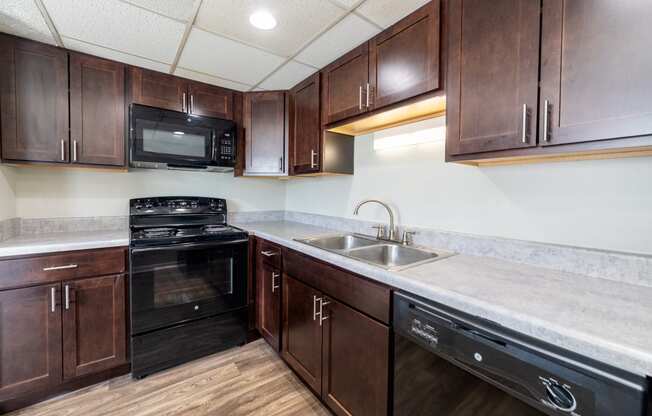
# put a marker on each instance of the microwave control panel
(226, 147)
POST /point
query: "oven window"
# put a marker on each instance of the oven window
(174, 142)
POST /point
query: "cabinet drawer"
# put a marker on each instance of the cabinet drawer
(64, 266)
(356, 291)
(269, 253)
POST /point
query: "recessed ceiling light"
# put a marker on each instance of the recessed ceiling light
(262, 20)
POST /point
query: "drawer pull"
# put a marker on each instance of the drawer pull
(269, 253)
(53, 300)
(53, 268)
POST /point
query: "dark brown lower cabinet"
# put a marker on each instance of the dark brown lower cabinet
(355, 369)
(268, 295)
(30, 339)
(94, 325)
(302, 334)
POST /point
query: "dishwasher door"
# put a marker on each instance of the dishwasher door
(447, 363)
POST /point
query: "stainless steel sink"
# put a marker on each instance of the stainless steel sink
(388, 255)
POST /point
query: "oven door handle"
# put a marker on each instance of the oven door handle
(186, 246)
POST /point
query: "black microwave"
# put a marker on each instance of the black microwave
(164, 139)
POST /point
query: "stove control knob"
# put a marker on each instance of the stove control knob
(560, 396)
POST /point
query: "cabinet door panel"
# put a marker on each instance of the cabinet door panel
(211, 101)
(156, 89)
(493, 65)
(268, 300)
(97, 113)
(356, 362)
(30, 339)
(305, 127)
(34, 101)
(594, 74)
(404, 60)
(264, 122)
(344, 86)
(302, 335)
(94, 325)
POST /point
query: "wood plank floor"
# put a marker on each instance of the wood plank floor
(250, 380)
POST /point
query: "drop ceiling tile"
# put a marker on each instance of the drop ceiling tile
(23, 18)
(341, 38)
(221, 57)
(197, 76)
(298, 21)
(287, 76)
(387, 12)
(91, 49)
(117, 25)
(177, 9)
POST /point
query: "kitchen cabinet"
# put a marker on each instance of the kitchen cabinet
(305, 126)
(210, 101)
(30, 339)
(404, 59)
(355, 361)
(265, 125)
(268, 298)
(94, 325)
(97, 111)
(33, 101)
(492, 86)
(595, 80)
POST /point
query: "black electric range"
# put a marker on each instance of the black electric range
(188, 281)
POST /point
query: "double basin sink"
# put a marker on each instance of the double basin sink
(385, 254)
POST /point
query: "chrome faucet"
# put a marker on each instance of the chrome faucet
(381, 233)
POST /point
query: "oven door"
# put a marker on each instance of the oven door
(172, 138)
(178, 283)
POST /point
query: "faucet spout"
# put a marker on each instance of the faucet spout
(392, 230)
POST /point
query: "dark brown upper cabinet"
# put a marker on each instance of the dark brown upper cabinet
(345, 86)
(305, 126)
(492, 77)
(30, 339)
(595, 73)
(94, 325)
(33, 101)
(265, 124)
(97, 111)
(211, 101)
(404, 59)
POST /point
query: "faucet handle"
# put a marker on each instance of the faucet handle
(380, 234)
(407, 237)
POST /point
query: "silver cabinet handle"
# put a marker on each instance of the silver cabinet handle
(280, 164)
(67, 297)
(360, 98)
(269, 253)
(368, 88)
(63, 150)
(74, 150)
(546, 109)
(315, 299)
(322, 318)
(274, 285)
(313, 155)
(192, 103)
(183, 103)
(524, 135)
(68, 266)
(53, 300)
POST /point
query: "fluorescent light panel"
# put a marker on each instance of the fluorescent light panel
(428, 131)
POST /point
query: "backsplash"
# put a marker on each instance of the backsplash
(9, 228)
(32, 226)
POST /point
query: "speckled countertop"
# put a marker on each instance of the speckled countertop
(602, 319)
(63, 241)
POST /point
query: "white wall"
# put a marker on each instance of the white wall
(81, 193)
(603, 204)
(7, 193)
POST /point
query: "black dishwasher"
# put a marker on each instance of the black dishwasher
(447, 363)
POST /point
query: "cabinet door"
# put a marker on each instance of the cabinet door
(34, 101)
(595, 77)
(156, 89)
(492, 77)
(355, 363)
(97, 110)
(210, 101)
(305, 127)
(345, 83)
(264, 122)
(404, 59)
(302, 335)
(30, 339)
(94, 325)
(268, 303)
